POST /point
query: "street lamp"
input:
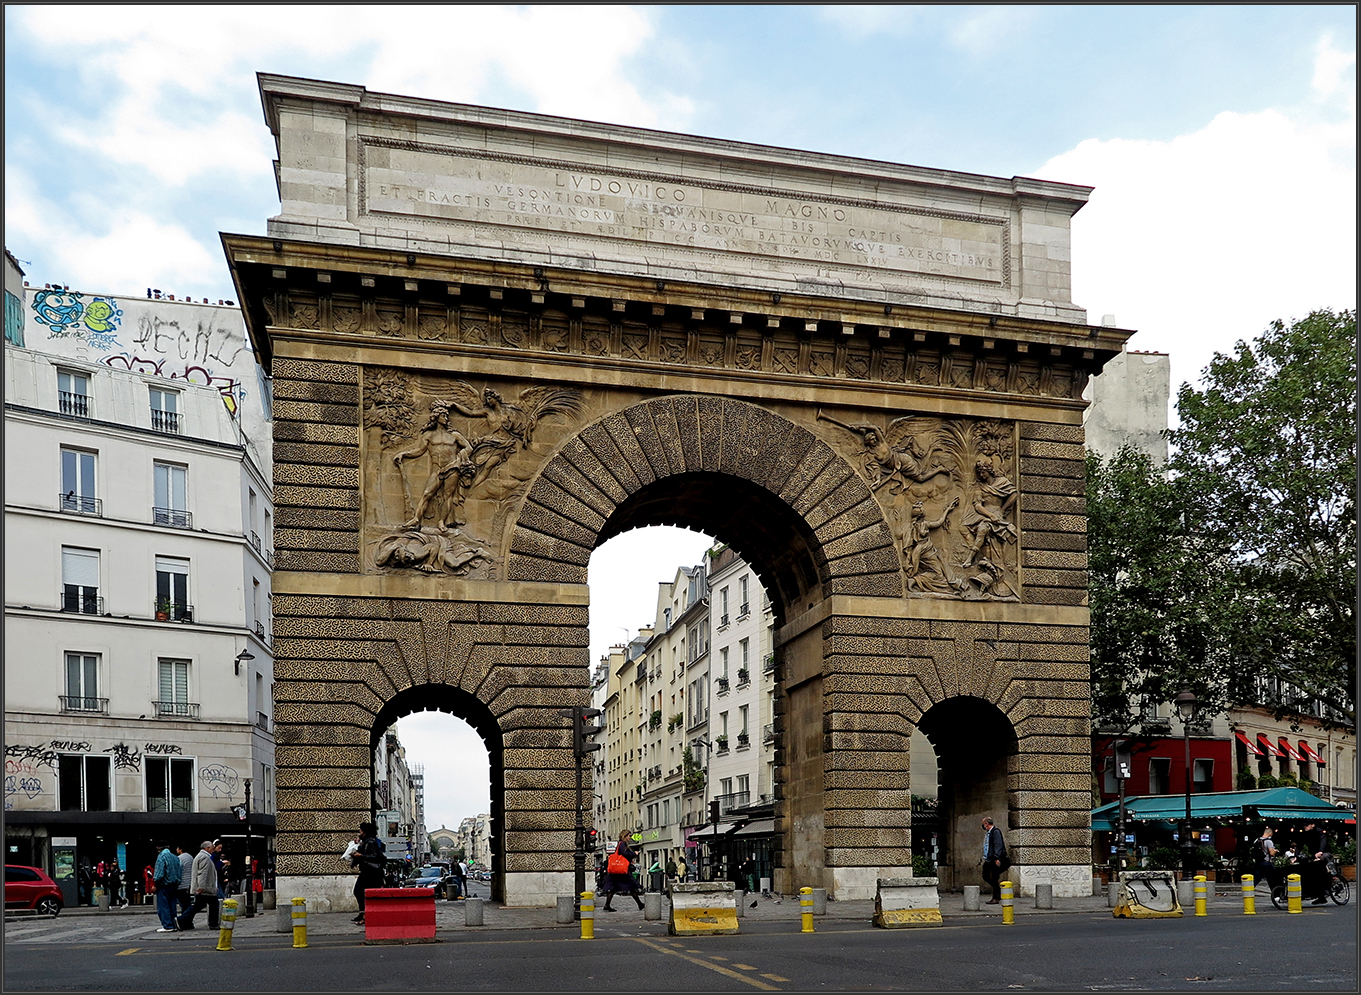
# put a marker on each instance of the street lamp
(1186, 707)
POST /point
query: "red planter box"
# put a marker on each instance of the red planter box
(399, 914)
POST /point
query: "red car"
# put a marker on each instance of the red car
(30, 888)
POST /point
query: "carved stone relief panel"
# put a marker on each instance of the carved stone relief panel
(947, 489)
(443, 460)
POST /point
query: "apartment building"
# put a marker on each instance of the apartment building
(138, 668)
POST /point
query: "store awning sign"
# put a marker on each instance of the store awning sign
(1290, 751)
(1310, 754)
(1252, 747)
(1269, 748)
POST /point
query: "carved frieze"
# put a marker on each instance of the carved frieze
(443, 458)
(947, 488)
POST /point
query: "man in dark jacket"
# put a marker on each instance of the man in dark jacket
(1314, 876)
(995, 860)
(371, 861)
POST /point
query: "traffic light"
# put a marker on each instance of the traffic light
(1123, 762)
(592, 840)
(713, 811)
(583, 729)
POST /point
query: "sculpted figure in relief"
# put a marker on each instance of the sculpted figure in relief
(994, 496)
(896, 457)
(452, 471)
(926, 568)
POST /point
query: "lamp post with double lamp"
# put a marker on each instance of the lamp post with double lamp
(1186, 707)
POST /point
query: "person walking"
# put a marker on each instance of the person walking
(1314, 875)
(620, 872)
(370, 859)
(117, 897)
(186, 877)
(203, 888)
(166, 880)
(1264, 854)
(995, 860)
(682, 871)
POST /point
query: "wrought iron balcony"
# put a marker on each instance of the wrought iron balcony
(255, 542)
(743, 740)
(262, 721)
(768, 664)
(745, 610)
(82, 703)
(173, 612)
(69, 403)
(768, 732)
(84, 604)
(260, 629)
(79, 505)
(176, 518)
(738, 799)
(165, 421)
(176, 709)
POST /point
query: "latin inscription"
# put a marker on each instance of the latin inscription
(528, 202)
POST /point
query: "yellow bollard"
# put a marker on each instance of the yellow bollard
(1293, 894)
(224, 936)
(806, 903)
(1249, 895)
(1008, 912)
(1199, 889)
(299, 923)
(588, 915)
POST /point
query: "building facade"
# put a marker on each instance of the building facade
(138, 638)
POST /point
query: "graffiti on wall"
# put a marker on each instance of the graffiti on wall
(195, 374)
(30, 756)
(220, 780)
(163, 748)
(125, 757)
(68, 315)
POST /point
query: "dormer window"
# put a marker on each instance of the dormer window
(73, 394)
(165, 410)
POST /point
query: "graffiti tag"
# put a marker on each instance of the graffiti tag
(30, 787)
(39, 756)
(163, 748)
(68, 316)
(125, 757)
(70, 746)
(219, 779)
(195, 374)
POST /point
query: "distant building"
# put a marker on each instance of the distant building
(1129, 405)
(138, 513)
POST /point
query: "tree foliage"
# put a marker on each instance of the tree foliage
(1238, 561)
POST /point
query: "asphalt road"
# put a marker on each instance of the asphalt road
(1272, 951)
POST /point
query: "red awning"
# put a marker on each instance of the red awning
(1252, 747)
(1309, 754)
(1290, 751)
(1268, 747)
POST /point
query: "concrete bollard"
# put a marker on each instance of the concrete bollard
(819, 901)
(283, 919)
(1186, 894)
(1198, 887)
(299, 916)
(1008, 910)
(806, 908)
(1294, 895)
(472, 912)
(972, 895)
(741, 897)
(588, 915)
(1113, 894)
(224, 936)
(1249, 895)
(567, 911)
(652, 906)
(1044, 896)
(269, 899)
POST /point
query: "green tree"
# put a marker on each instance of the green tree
(1266, 453)
(1150, 566)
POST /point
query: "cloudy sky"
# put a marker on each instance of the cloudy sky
(1220, 140)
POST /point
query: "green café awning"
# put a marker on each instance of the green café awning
(1270, 803)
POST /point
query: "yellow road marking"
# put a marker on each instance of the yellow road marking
(744, 967)
(774, 977)
(129, 950)
(711, 956)
(709, 964)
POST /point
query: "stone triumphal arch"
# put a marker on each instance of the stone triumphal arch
(499, 339)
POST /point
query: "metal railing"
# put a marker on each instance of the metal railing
(82, 703)
(743, 677)
(743, 740)
(768, 732)
(85, 604)
(174, 612)
(165, 421)
(269, 558)
(176, 709)
(262, 721)
(80, 505)
(738, 799)
(260, 629)
(176, 518)
(768, 664)
(745, 610)
(69, 403)
(722, 621)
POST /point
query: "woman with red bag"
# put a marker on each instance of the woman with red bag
(618, 872)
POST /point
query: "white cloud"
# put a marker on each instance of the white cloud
(1331, 66)
(1204, 239)
(987, 29)
(863, 20)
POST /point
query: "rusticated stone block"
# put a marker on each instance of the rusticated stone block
(1026, 633)
(1065, 541)
(550, 523)
(822, 487)
(521, 842)
(316, 518)
(1049, 818)
(535, 544)
(298, 539)
(869, 722)
(875, 646)
(862, 626)
(571, 480)
(887, 743)
(539, 800)
(1074, 597)
(315, 476)
(668, 434)
(1042, 577)
(871, 538)
(309, 734)
(597, 439)
(843, 759)
(306, 369)
(322, 712)
(286, 409)
(710, 432)
(297, 431)
(1079, 727)
(1048, 432)
(1053, 559)
(317, 842)
(352, 756)
(685, 411)
(314, 497)
(1053, 855)
(879, 856)
(339, 820)
(1054, 504)
(549, 495)
(529, 614)
(848, 494)
(867, 585)
(641, 426)
(558, 760)
(868, 818)
(1033, 466)
(1066, 486)
(818, 458)
(533, 568)
(862, 780)
(306, 390)
(516, 860)
(630, 454)
(316, 453)
(1028, 781)
(861, 684)
(1045, 522)
(877, 837)
(307, 779)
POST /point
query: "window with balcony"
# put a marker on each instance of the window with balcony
(82, 684)
(169, 784)
(83, 783)
(172, 503)
(744, 606)
(73, 394)
(80, 581)
(165, 410)
(174, 691)
(78, 483)
(172, 590)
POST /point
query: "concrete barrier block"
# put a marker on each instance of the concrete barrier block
(567, 910)
(1044, 896)
(704, 908)
(740, 899)
(819, 901)
(1148, 895)
(472, 912)
(972, 896)
(906, 902)
(652, 906)
(399, 915)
